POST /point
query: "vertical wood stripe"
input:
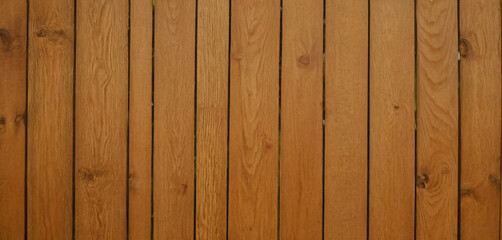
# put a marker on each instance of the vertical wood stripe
(212, 118)
(50, 123)
(392, 120)
(101, 119)
(254, 119)
(174, 119)
(13, 17)
(437, 120)
(480, 95)
(140, 119)
(346, 130)
(301, 181)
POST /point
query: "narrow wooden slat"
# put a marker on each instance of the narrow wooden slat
(480, 96)
(50, 119)
(174, 119)
(346, 131)
(101, 119)
(140, 119)
(437, 120)
(301, 155)
(254, 119)
(13, 18)
(212, 113)
(392, 120)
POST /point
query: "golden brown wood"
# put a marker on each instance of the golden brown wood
(101, 119)
(13, 17)
(50, 119)
(480, 106)
(437, 120)
(174, 119)
(254, 119)
(392, 120)
(212, 113)
(140, 120)
(346, 130)
(301, 120)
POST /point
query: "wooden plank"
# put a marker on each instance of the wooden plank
(140, 119)
(101, 119)
(346, 116)
(480, 96)
(254, 119)
(212, 117)
(13, 18)
(437, 120)
(174, 119)
(392, 119)
(301, 158)
(50, 119)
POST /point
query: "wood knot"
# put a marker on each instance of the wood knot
(2, 124)
(467, 193)
(464, 47)
(88, 174)
(422, 180)
(494, 180)
(20, 119)
(5, 38)
(304, 59)
(56, 35)
(41, 33)
(238, 56)
(396, 107)
(184, 188)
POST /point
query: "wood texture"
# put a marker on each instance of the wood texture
(140, 119)
(212, 118)
(13, 17)
(346, 130)
(480, 94)
(50, 123)
(301, 120)
(254, 119)
(174, 119)
(437, 120)
(101, 119)
(392, 120)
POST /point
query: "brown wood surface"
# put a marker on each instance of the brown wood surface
(437, 120)
(101, 119)
(392, 120)
(174, 119)
(301, 161)
(13, 20)
(212, 117)
(50, 119)
(140, 119)
(346, 130)
(480, 107)
(254, 120)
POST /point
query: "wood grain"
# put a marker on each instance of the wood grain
(101, 119)
(13, 20)
(140, 119)
(437, 120)
(346, 116)
(174, 119)
(50, 119)
(212, 118)
(392, 120)
(480, 94)
(254, 119)
(301, 156)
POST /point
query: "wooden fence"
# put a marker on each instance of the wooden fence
(250, 119)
